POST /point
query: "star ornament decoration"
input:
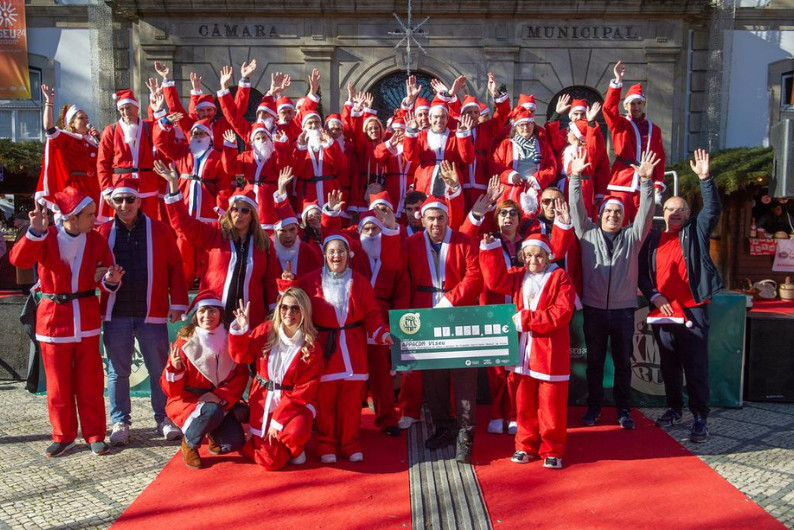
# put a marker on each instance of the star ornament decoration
(407, 34)
(8, 14)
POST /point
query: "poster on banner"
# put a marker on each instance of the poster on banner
(784, 256)
(455, 337)
(14, 75)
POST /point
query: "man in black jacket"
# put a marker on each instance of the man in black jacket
(676, 270)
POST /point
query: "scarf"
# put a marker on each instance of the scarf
(528, 147)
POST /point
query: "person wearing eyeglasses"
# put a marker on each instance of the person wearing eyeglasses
(140, 308)
(283, 397)
(238, 250)
(568, 258)
(675, 266)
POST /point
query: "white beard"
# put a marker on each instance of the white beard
(336, 290)
(213, 340)
(269, 123)
(286, 254)
(314, 139)
(371, 245)
(531, 286)
(130, 132)
(69, 245)
(263, 149)
(436, 140)
(199, 147)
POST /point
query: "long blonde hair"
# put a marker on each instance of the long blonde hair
(229, 231)
(306, 324)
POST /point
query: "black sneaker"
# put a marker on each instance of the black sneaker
(392, 431)
(670, 417)
(99, 448)
(698, 433)
(464, 447)
(441, 438)
(58, 448)
(591, 417)
(625, 420)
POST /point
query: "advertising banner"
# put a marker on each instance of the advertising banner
(14, 75)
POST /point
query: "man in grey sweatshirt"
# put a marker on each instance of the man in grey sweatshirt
(609, 278)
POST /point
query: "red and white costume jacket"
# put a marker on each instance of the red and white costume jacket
(457, 280)
(200, 178)
(69, 159)
(545, 304)
(505, 163)
(296, 379)
(164, 270)
(258, 287)
(75, 319)
(219, 125)
(305, 258)
(454, 147)
(630, 141)
(343, 334)
(205, 371)
(567, 252)
(398, 178)
(317, 172)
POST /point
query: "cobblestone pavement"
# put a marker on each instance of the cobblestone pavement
(753, 448)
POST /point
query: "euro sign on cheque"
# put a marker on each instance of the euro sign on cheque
(454, 337)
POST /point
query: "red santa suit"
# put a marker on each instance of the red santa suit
(69, 159)
(303, 257)
(317, 171)
(68, 320)
(198, 99)
(343, 334)
(283, 394)
(630, 141)
(399, 175)
(545, 304)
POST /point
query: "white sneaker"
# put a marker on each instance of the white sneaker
(356, 457)
(512, 427)
(552, 462)
(169, 430)
(120, 435)
(328, 459)
(300, 459)
(405, 422)
(496, 426)
(521, 457)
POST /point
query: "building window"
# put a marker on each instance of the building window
(787, 91)
(20, 120)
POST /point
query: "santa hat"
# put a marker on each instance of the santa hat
(205, 101)
(369, 217)
(439, 103)
(421, 103)
(522, 115)
(656, 316)
(635, 92)
(469, 101)
(222, 201)
(309, 206)
(337, 237)
(484, 110)
(527, 102)
(246, 195)
(71, 112)
(578, 105)
(203, 125)
(381, 197)
(204, 298)
(259, 127)
(123, 97)
(333, 118)
(369, 118)
(398, 122)
(126, 186)
(610, 199)
(284, 102)
(285, 216)
(307, 114)
(70, 201)
(538, 240)
(433, 202)
(266, 104)
(578, 128)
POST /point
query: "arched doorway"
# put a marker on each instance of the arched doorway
(579, 92)
(389, 91)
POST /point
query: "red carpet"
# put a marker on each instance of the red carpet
(612, 478)
(232, 492)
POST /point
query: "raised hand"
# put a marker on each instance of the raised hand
(458, 85)
(276, 79)
(157, 101)
(647, 164)
(619, 71)
(386, 217)
(465, 122)
(38, 218)
(412, 90)
(335, 201)
(177, 364)
(579, 162)
(701, 164)
(302, 138)
(449, 174)
(358, 101)
(593, 111)
(397, 138)
(314, 81)
(285, 176)
(280, 136)
(195, 81)
(170, 174)
(495, 189)
(248, 68)
(229, 136)
(226, 76)
(493, 87)
(351, 90)
(438, 87)
(563, 104)
(114, 274)
(241, 314)
(48, 93)
(287, 274)
(488, 238)
(561, 211)
(162, 69)
(410, 120)
(368, 99)
(480, 206)
(174, 117)
(153, 85)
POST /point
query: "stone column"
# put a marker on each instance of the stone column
(322, 57)
(665, 93)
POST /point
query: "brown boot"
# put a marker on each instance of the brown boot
(212, 446)
(190, 455)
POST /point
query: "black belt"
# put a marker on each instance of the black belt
(260, 182)
(62, 298)
(193, 177)
(195, 390)
(320, 178)
(627, 161)
(429, 289)
(328, 350)
(480, 152)
(271, 385)
(122, 170)
(79, 173)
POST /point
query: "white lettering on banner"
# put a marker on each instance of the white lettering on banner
(453, 354)
(482, 342)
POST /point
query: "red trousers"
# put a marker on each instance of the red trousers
(410, 399)
(75, 386)
(339, 416)
(542, 413)
(380, 385)
(502, 395)
(274, 454)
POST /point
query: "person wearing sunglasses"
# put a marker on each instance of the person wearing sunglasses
(147, 251)
(238, 250)
(283, 397)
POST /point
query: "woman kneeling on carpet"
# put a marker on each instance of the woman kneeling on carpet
(288, 369)
(203, 383)
(544, 296)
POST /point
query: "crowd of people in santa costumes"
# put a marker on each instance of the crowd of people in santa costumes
(304, 230)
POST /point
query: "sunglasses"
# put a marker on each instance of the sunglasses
(289, 308)
(546, 202)
(241, 209)
(128, 200)
(511, 212)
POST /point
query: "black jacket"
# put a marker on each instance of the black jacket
(704, 280)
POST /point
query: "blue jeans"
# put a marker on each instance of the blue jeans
(119, 336)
